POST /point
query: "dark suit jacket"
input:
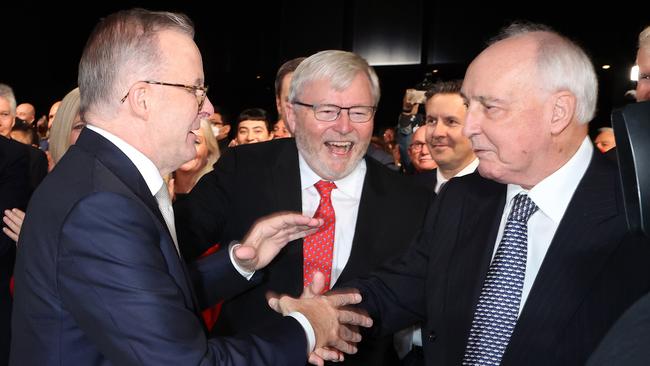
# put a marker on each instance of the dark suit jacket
(37, 166)
(593, 270)
(14, 193)
(99, 282)
(251, 181)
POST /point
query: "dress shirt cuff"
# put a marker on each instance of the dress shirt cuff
(309, 331)
(231, 251)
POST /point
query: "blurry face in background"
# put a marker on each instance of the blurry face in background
(219, 129)
(250, 132)
(201, 157)
(419, 152)
(605, 141)
(77, 126)
(6, 117)
(445, 119)
(282, 99)
(26, 112)
(280, 130)
(50, 116)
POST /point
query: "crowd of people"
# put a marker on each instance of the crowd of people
(484, 228)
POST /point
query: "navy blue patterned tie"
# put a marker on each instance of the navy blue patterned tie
(498, 305)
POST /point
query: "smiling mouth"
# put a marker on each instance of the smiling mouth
(339, 148)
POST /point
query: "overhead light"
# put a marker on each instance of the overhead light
(634, 73)
(606, 67)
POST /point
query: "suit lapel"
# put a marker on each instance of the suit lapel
(285, 177)
(476, 237)
(585, 238)
(124, 169)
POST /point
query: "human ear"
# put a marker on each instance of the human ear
(564, 107)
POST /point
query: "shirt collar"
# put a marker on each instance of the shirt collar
(348, 185)
(144, 165)
(553, 194)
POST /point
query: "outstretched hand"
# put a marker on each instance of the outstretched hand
(269, 235)
(334, 323)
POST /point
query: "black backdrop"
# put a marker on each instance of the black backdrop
(244, 45)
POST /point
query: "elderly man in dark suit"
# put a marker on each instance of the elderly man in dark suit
(99, 280)
(374, 211)
(530, 262)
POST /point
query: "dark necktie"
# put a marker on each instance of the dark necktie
(498, 305)
(318, 247)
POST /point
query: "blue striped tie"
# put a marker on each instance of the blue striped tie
(498, 305)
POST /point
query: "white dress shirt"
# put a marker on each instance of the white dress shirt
(345, 200)
(552, 195)
(144, 165)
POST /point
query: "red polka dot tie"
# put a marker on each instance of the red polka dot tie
(318, 247)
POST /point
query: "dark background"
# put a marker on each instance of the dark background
(243, 43)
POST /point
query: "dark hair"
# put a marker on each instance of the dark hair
(286, 68)
(254, 114)
(444, 87)
(29, 128)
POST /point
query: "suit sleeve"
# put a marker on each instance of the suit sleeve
(114, 280)
(394, 295)
(14, 185)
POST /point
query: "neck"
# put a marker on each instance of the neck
(449, 171)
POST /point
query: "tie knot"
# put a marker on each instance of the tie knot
(162, 196)
(522, 208)
(324, 187)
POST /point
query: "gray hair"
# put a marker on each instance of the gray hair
(338, 67)
(561, 65)
(8, 93)
(123, 46)
(644, 38)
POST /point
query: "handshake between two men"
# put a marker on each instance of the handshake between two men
(333, 327)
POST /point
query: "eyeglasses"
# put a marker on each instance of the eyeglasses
(331, 112)
(199, 91)
(416, 146)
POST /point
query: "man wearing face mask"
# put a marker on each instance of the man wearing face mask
(220, 128)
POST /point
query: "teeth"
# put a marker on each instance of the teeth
(340, 144)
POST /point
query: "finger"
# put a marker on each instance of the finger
(314, 359)
(244, 252)
(328, 354)
(317, 284)
(340, 299)
(350, 333)
(10, 234)
(12, 223)
(354, 317)
(19, 213)
(343, 346)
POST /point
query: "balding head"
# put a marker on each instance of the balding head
(26, 112)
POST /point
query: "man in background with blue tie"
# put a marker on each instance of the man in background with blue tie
(530, 262)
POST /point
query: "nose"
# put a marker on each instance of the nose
(343, 124)
(472, 124)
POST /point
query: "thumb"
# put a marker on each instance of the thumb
(244, 252)
(316, 287)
